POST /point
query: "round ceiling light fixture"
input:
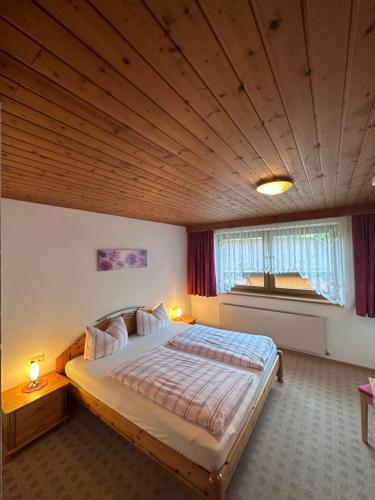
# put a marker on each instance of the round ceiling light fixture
(274, 186)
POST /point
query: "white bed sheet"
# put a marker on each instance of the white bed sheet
(192, 441)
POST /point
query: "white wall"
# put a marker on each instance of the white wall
(350, 338)
(51, 288)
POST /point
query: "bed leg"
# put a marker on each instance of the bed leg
(280, 371)
(216, 489)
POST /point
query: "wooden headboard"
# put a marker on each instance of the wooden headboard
(77, 348)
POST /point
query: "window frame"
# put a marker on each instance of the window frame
(270, 288)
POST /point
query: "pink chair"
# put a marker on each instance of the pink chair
(367, 396)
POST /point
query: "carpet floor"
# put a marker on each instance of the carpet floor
(306, 445)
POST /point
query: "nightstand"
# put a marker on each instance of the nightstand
(28, 416)
(187, 319)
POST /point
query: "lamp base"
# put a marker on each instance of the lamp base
(32, 388)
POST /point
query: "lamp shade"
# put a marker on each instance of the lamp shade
(34, 371)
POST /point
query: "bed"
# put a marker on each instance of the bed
(191, 452)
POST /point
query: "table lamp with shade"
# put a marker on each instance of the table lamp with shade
(176, 313)
(35, 384)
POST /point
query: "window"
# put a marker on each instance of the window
(280, 284)
(308, 258)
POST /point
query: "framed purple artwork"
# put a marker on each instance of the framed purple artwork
(112, 260)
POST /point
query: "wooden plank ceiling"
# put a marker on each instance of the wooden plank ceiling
(173, 110)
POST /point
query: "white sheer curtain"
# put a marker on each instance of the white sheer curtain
(237, 253)
(320, 251)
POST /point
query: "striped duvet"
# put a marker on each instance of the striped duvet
(239, 349)
(204, 392)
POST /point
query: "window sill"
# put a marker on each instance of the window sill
(284, 297)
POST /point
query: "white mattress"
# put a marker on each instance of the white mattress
(191, 440)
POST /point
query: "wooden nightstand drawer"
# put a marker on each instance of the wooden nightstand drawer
(27, 416)
(39, 416)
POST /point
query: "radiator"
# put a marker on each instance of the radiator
(301, 332)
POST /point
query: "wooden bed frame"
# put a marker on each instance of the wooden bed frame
(212, 484)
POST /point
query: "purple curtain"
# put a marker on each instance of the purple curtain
(364, 264)
(201, 279)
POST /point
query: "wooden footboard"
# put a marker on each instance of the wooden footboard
(180, 466)
(212, 484)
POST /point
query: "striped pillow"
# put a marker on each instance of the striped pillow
(99, 344)
(161, 313)
(149, 323)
